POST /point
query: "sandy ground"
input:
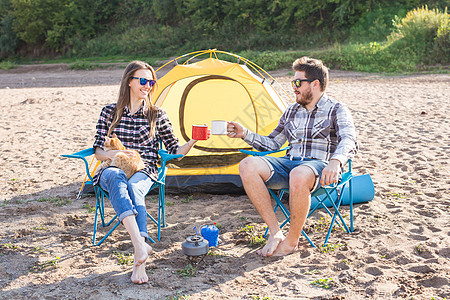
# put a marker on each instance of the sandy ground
(399, 250)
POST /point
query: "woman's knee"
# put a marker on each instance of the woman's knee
(114, 175)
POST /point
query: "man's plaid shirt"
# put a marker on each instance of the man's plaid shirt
(326, 132)
(133, 131)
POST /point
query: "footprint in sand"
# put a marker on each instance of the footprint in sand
(374, 271)
(435, 281)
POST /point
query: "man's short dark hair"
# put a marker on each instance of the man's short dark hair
(313, 68)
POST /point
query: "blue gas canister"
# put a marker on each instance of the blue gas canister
(211, 234)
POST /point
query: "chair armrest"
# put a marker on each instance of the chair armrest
(82, 155)
(165, 157)
(262, 153)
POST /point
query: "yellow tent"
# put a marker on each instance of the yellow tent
(214, 89)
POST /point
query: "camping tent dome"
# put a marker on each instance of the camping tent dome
(213, 89)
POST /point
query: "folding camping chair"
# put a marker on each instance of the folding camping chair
(324, 197)
(100, 194)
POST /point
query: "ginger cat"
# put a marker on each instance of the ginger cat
(129, 165)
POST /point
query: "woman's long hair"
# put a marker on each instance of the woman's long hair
(151, 111)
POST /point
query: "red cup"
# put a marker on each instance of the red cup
(200, 132)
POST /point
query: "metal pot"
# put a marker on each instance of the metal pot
(195, 246)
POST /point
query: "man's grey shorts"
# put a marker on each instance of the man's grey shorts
(280, 167)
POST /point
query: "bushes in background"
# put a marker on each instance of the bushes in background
(356, 35)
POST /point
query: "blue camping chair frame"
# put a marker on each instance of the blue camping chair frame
(100, 194)
(324, 197)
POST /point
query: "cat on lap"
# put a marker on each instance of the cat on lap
(128, 164)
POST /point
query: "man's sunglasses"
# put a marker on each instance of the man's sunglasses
(143, 81)
(298, 82)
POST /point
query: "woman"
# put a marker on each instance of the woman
(140, 126)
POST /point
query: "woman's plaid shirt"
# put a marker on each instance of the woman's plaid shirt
(326, 132)
(133, 131)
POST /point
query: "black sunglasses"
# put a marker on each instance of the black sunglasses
(143, 81)
(298, 82)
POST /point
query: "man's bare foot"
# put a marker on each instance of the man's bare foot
(272, 244)
(285, 248)
(141, 254)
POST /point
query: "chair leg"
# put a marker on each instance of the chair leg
(161, 211)
(350, 189)
(309, 240)
(95, 222)
(336, 213)
(336, 206)
(109, 232)
(162, 200)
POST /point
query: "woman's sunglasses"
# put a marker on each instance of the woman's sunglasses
(143, 81)
(298, 82)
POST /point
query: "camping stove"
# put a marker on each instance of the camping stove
(195, 248)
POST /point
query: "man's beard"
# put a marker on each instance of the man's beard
(305, 98)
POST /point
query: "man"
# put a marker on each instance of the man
(321, 138)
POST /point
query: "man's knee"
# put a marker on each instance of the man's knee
(251, 166)
(247, 165)
(301, 178)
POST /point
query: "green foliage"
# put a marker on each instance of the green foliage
(8, 246)
(255, 239)
(40, 227)
(45, 266)
(330, 247)
(90, 209)
(258, 29)
(8, 38)
(32, 19)
(416, 35)
(325, 283)
(6, 65)
(178, 296)
(54, 23)
(270, 60)
(376, 24)
(441, 47)
(261, 298)
(421, 37)
(124, 258)
(38, 249)
(188, 271)
(188, 199)
(55, 200)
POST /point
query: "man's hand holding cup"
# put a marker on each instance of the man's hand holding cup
(236, 130)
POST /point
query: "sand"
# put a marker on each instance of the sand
(400, 248)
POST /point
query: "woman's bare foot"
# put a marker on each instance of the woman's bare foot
(272, 244)
(141, 254)
(285, 248)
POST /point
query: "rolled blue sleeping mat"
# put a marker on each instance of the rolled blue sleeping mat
(363, 191)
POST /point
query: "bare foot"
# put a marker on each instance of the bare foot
(141, 254)
(285, 248)
(272, 244)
